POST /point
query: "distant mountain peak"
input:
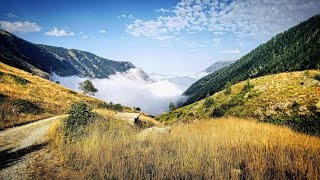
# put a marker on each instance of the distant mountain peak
(218, 65)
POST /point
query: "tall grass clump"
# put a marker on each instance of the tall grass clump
(209, 149)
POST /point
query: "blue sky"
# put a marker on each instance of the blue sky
(161, 36)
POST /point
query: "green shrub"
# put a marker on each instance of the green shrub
(72, 92)
(295, 105)
(303, 123)
(1, 74)
(14, 107)
(307, 73)
(16, 78)
(117, 107)
(80, 114)
(104, 105)
(317, 77)
(227, 88)
(19, 79)
(2, 98)
(218, 112)
(208, 102)
(26, 106)
(247, 87)
(87, 87)
(172, 107)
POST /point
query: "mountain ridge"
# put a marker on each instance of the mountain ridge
(89, 64)
(44, 60)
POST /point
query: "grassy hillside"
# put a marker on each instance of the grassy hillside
(293, 50)
(203, 150)
(273, 98)
(25, 97)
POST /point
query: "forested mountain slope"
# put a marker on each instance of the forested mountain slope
(292, 50)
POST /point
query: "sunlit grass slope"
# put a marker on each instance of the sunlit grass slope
(278, 96)
(226, 148)
(25, 97)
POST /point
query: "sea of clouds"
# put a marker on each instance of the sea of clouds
(131, 89)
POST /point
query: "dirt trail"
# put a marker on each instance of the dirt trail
(17, 146)
(130, 117)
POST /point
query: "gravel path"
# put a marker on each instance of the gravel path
(130, 117)
(17, 146)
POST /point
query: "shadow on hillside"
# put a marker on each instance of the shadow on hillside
(8, 158)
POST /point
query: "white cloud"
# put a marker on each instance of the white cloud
(233, 51)
(10, 15)
(151, 97)
(216, 40)
(193, 45)
(151, 29)
(102, 31)
(59, 32)
(162, 10)
(163, 38)
(20, 26)
(130, 16)
(239, 18)
(86, 35)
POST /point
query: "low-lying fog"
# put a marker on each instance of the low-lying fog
(152, 96)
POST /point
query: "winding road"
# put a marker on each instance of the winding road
(130, 117)
(17, 145)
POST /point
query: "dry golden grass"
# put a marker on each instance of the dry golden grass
(105, 112)
(53, 99)
(208, 149)
(149, 120)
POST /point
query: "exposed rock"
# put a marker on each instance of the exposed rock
(310, 82)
